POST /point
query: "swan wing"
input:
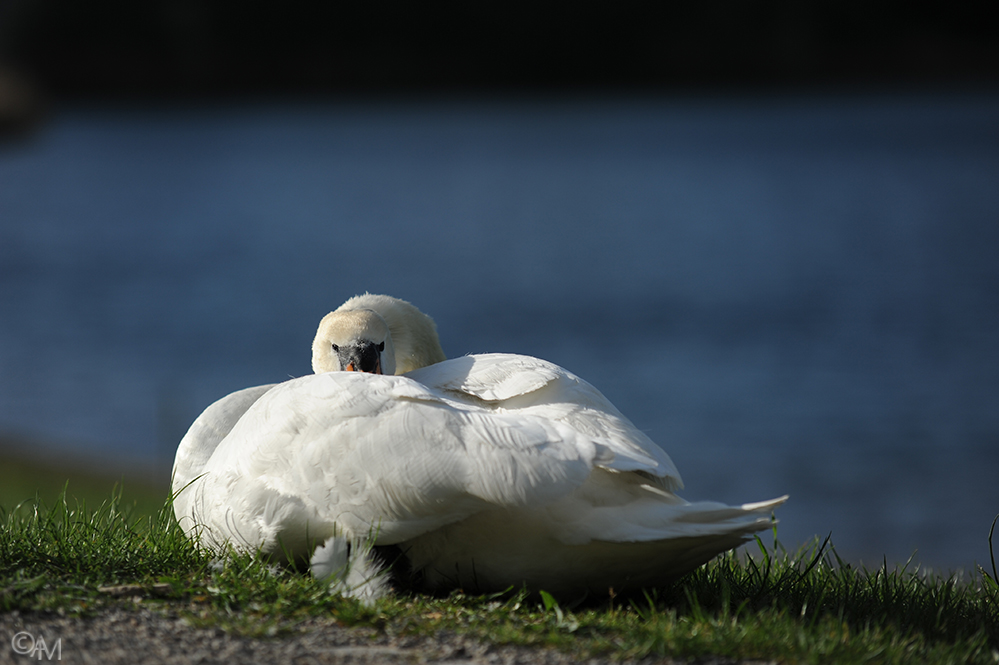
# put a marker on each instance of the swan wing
(363, 452)
(488, 470)
(515, 384)
(208, 431)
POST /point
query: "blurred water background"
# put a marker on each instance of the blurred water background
(790, 294)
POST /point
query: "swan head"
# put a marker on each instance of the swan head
(380, 334)
(353, 341)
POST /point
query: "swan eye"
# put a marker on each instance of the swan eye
(336, 349)
(381, 347)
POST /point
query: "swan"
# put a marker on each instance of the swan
(485, 471)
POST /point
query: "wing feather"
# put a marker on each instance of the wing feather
(403, 455)
(384, 452)
(531, 386)
(210, 428)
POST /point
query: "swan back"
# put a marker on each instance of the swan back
(409, 335)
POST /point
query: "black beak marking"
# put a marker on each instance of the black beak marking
(360, 356)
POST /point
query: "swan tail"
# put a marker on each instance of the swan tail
(656, 546)
(568, 549)
(655, 521)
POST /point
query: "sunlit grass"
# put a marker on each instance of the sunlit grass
(50, 555)
(805, 606)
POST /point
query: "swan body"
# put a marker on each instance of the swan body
(486, 471)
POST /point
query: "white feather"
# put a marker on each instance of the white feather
(487, 471)
(351, 568)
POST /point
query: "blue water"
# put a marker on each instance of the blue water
(790, 295)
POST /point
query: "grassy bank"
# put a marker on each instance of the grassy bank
(800, 607)
(28, 477)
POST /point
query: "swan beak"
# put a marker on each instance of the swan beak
(362, 356)
(352, 368)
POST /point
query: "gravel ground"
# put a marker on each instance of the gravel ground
(141, 635)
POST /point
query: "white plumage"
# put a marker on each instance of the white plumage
(486, 471)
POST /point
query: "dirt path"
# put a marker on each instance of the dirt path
(141, 635)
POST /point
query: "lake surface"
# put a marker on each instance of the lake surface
(790, 295)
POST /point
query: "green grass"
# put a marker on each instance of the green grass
(27, 478)
(805, 606)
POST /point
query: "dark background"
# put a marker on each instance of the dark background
(116, 48)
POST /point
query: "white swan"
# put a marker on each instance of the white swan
(486, 471)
